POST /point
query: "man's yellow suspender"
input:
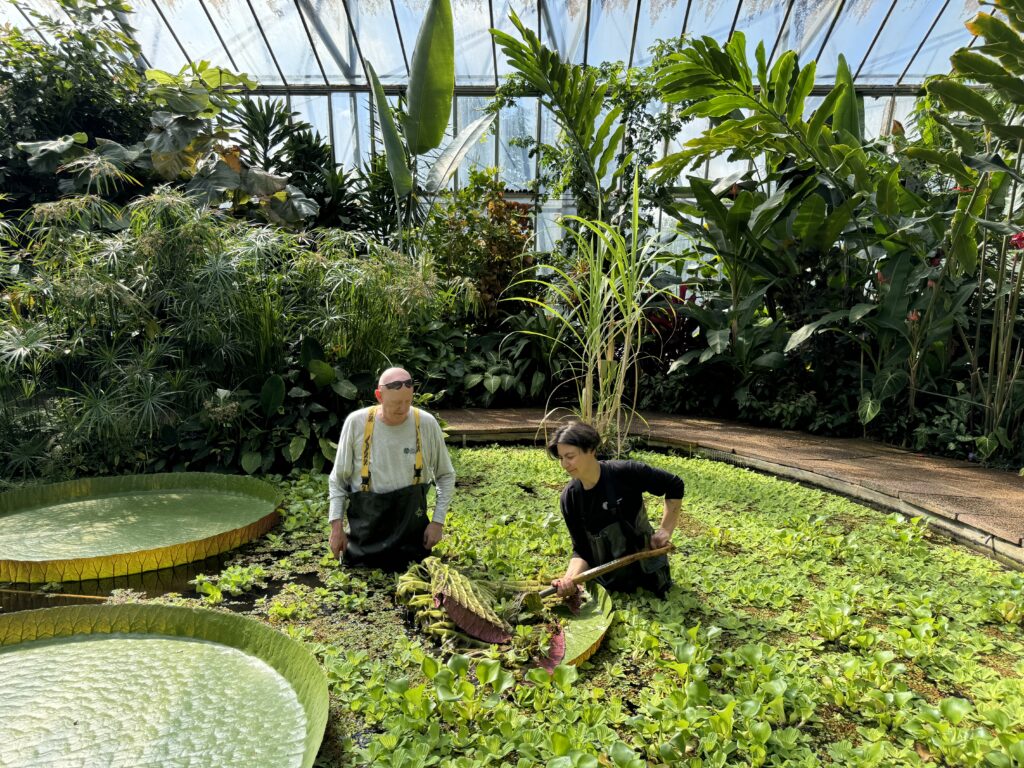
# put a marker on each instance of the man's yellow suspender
(364, 473)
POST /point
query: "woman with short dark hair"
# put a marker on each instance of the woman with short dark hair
(603, 508)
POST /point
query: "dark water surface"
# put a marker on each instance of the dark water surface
(23, 597)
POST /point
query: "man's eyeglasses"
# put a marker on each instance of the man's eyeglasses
(398, 384)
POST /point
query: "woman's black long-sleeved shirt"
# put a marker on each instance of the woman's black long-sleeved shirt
(618, 496)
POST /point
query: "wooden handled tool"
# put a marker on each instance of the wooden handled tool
(611, 565)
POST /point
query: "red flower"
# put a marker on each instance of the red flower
(963, 190)
(1017, 241)
(931, 283)
(879, 277)
(913, 316)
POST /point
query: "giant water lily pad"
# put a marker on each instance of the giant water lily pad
(153, 685)
(583, 632)
(95, 528)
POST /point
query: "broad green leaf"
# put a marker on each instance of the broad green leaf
(272, 395)
(296, 448)
(781, 75)
(801, 90)
(809, 217)
(888, 195)
(448, 162)
(848, 115)
(81, 664)
(345, 388)
(954, 709)
(394, 150)
(861, 311)
(804, 333)
(148, 522)
(251, 461)
(824, 111)
(322, 373)
(992, 163)
(958, 97)
(868, 409)
(972, 64)
(946, 161)
(431, 79)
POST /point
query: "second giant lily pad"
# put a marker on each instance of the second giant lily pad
(95, 528)
(152, 685)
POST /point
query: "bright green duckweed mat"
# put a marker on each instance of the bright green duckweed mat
(155, 686)
(115, 526)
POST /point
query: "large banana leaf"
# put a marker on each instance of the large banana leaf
(431, 80)
(95, 528)
(131, 685)
(394, 150)
(446, 164)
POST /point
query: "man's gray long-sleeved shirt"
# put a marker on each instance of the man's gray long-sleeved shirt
(392, 461)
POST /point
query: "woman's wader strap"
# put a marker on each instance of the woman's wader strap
(364, 472)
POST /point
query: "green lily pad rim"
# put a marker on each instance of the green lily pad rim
(139, 561)
(286, 656)
(584, 635)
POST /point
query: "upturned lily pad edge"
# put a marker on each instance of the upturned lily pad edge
(139, 561)
(287, 657)
(585, 633)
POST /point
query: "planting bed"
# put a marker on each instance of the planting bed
(803, 630)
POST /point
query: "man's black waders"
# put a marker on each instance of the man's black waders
(386, 529)
(622, 538)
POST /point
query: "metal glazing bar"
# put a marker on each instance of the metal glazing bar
(160, 13)
(216, 31)
(494, 44)
(735, 19)
(782, 29)
(874, 39)
(330, 129)
(355, 38)
(686, 17)
(924, 40)
(401, 40)
(266, 42)
(29, 20)
(536, 174)
(455, 130)
(636, 26)
(831, 28)
(586, 35)
(312, 45)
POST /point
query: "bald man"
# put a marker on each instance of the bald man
(388, 457)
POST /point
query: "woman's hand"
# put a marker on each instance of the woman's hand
(565, 586)
(660, 538)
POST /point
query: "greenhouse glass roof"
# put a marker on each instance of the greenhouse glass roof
(311, 51)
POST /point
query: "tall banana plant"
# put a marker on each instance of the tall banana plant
(428, 109)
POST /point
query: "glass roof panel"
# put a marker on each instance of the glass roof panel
(9, 15)
(611, 30)
(659, 20)
(517, 167)
(470, 108)
(948, 35)
(565, 24)
(808, 23)
(155, 39)
(288, 40)
(328, 27)
(760, 22)
(236, 25)
(410, 16)
(712, 18)
(526, 10)
(857, 25)
(377, 34)
(474, 54)
(907, 26)
(351, 128)
(314, 110)
(195, 32)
